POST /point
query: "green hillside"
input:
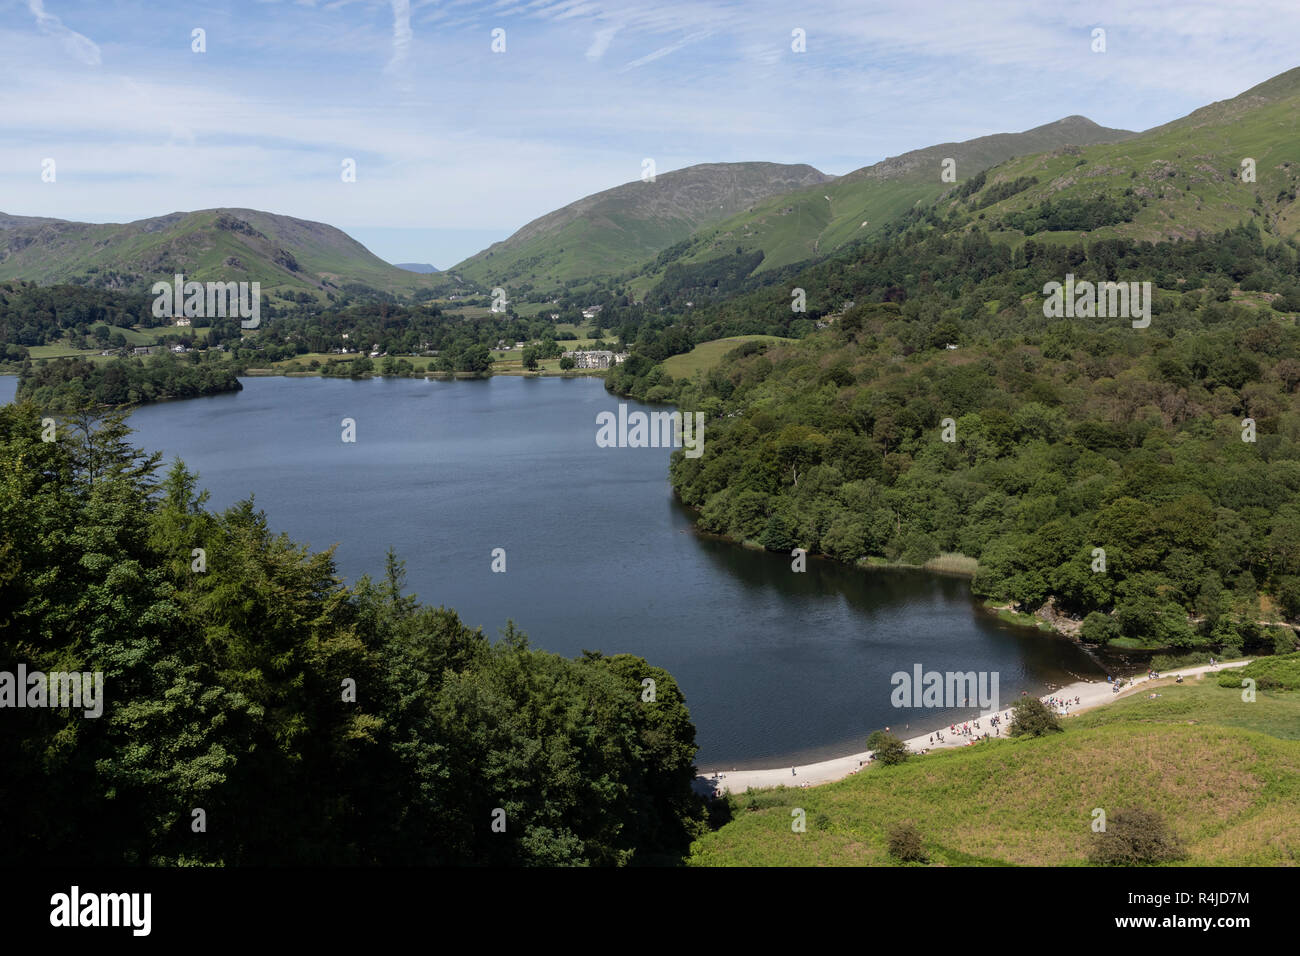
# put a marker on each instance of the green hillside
(1224, 775)
(612, 231)
(1176, 181)
(816, 221)
(707, 355)
(229, 245)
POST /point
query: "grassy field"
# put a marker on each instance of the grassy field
(60, 351)
(134, 337)
(1224, 775)
(708, 354)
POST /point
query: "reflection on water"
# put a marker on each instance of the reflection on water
(777, 666)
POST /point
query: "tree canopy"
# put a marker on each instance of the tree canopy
(309, 722)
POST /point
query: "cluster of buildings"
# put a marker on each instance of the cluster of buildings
(154, 350)
(596, 358)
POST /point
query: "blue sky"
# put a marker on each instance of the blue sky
(457, 146)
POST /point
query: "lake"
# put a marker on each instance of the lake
(778, 667)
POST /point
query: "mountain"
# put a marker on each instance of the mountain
(620, 228)
(421, 267)
(1179, 180)
(230, 245)
(815, 221)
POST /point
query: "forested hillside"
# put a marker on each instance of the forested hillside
(1066, 435)
(258, 711)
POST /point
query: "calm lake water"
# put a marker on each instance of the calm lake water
(777, 667)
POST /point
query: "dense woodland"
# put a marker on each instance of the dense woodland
(68, 384)
(226, 690)
(1070, 434)
(32, 314)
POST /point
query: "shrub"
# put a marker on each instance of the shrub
(1030, 717)
(1099, 628)
(886, 748)
(1134, 837)
(904, 844)
(1284, 640)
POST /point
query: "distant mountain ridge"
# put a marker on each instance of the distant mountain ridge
(814, 222)
(423, 268)
(1177, 180)
(1228, 163)
(611, 231)
(973, 155)
(281, 252)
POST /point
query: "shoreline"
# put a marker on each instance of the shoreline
(1091, 694)
(261, 372)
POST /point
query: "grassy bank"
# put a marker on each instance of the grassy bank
(946, 563)
(1224, 774)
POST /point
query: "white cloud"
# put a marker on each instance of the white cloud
(600, 43)
(402, 34)
(670, 48)
(80, 47)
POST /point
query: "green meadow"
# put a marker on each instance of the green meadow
(1224, 775)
